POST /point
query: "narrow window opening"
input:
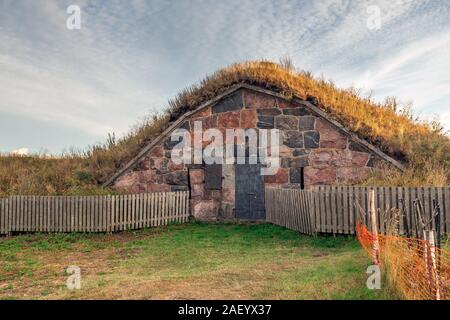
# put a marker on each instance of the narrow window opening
(302, 178)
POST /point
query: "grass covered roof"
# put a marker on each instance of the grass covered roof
(423, 146)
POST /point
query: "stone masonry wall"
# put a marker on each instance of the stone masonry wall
(325, 153)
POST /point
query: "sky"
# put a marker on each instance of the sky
(64, 88)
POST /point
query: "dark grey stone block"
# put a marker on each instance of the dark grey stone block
(269, 112)
(312, 139)
(299, 162)
(176, 178)
(286, 122)
(266, 122)
(295, 175)
(293, 139)
(306, 123)
(299, 152)
(300, 111)
(230, 103)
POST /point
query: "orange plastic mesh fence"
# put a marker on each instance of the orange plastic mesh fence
(414, 268)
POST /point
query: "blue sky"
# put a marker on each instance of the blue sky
(63, 88)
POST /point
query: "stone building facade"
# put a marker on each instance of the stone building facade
(314, 150)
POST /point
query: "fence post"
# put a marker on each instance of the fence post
(430, 263)
(373, 218)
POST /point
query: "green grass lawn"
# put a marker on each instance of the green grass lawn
(193, 261)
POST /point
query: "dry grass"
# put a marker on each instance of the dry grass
(395, 130)
(194, 261)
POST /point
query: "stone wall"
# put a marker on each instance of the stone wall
(312, 149)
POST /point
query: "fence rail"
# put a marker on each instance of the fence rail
(334, 209)
(92, 213)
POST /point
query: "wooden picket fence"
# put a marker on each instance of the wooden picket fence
(290, 208)
(334, 209)
(92, 213)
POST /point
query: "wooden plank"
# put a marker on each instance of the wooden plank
(152, 210)
(323, 216)
(148, 210)
(50, 213)
(331, 209)
(181, 210)
(76, 212)
(104, 213)
(20, 211)
(300, 206)
(439, 197)
(59, 214)
(112, 214)
(35, 217)
(344, 210)
(446, 202)
(165, 206)
(155, 209)
(56, 214)
(5, 216)
(44, 214)
(9, 215)
(134, 211)
(160, 211)
(145, 210)
(140, 208)
(54, 224)
(39, 214)
(12, 214)
(137, 214)
(108, 213)
(101, 213)
(128, 211)
(122, 212)
(177, 207)
(168, 207)
(316, 204)
(87, 215)
(94, 213)
(2, 216)
(27, 209)
(116, 213)
(173, 207)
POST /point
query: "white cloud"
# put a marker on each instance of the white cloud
(21, 152)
